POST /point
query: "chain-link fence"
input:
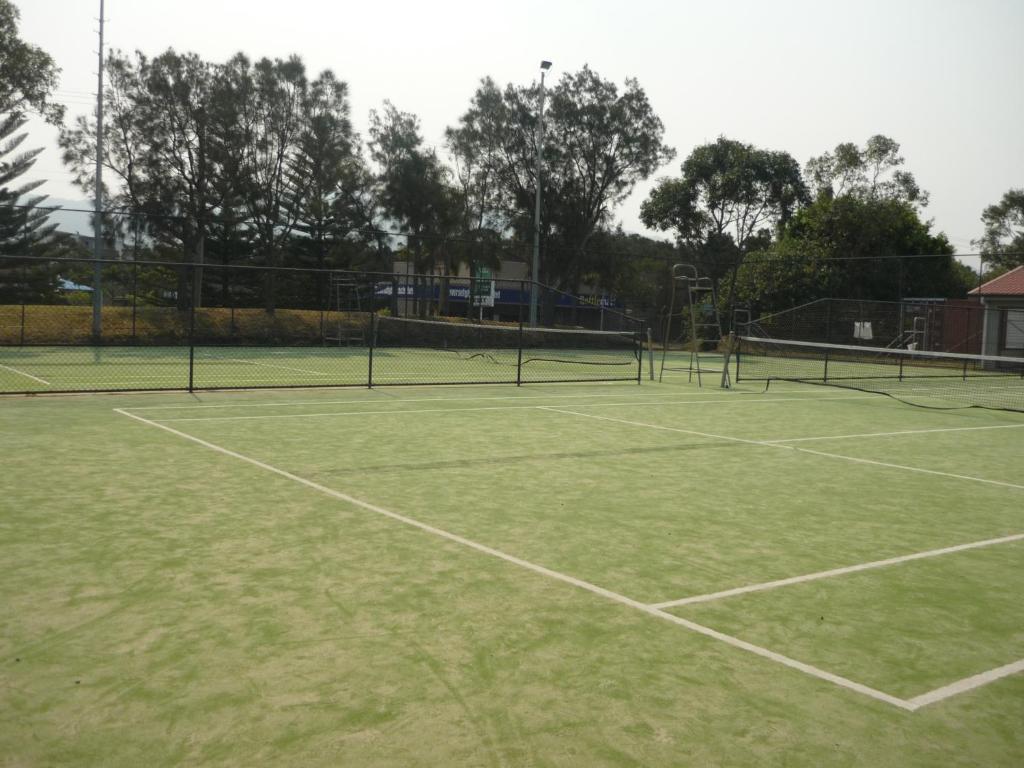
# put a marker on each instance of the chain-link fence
(86, 325)
(935, 325)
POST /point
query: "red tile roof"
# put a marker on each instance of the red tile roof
(1010, 284)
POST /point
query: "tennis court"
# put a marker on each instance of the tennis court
(562, 574)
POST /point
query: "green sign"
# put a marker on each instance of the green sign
(483, 288)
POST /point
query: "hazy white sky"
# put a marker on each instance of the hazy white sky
(942, 77)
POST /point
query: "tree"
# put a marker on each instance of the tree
(159, 149)
(1002, 245)
(599, 142)
(850, 248)
(869, 173)
(728, 201)
(230, 158)
(28, 75)
(23, 225)
(415, 191)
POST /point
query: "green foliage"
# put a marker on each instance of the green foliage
(728, 201)
(28, 75)
(598, 143)
(24, 227)
(871, 172)
(240, 162)
(414, 190)
(837, 248)
(1002, 245)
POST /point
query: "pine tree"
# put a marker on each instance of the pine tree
(24, 227)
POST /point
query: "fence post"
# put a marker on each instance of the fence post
(191, 338)
(135, 293)
(24, 292)
(372, 341)
(519, 353)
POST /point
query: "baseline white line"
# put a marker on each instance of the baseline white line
(788, 447)
(892, 434)
(488, 408)
(540, 569)
(26, 375)
(836, 572)
(966, 684)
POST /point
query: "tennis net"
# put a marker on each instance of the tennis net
(465, 352)
(929, 379)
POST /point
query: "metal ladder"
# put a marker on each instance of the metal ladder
(685, 276)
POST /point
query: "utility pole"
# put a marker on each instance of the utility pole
(97, 226)
(535, 272)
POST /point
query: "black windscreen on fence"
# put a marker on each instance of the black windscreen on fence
(183, 326)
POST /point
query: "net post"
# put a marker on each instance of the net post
(519, 352)
(371, 342)
(638, 338)
(824, 376)
(730, 342)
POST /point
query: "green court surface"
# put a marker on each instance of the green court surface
(555, 575)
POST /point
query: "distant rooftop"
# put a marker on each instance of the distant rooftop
(1009, 284)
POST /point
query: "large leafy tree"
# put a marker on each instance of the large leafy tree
(871, 172)
(159, 150)
(850, 248)
(28, 75)
(1002, 245)
(730, 199)
(599, 142)
(247, 161)
(415, 191)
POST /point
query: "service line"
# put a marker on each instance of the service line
(608, 594)
(893, 434)
(412, 411)
(835, 572)
(785, 446)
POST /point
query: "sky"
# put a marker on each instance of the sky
(941, 77)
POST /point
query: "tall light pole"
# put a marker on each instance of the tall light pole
(97, 280)
(535, 272)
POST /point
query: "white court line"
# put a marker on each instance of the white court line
(892, 434)
(786, 447)
(966, 684)
(549, 573)
(265, 365)
(26, 375)
(407, 411)
(379, 398)
(909, 469)
(835, 572)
